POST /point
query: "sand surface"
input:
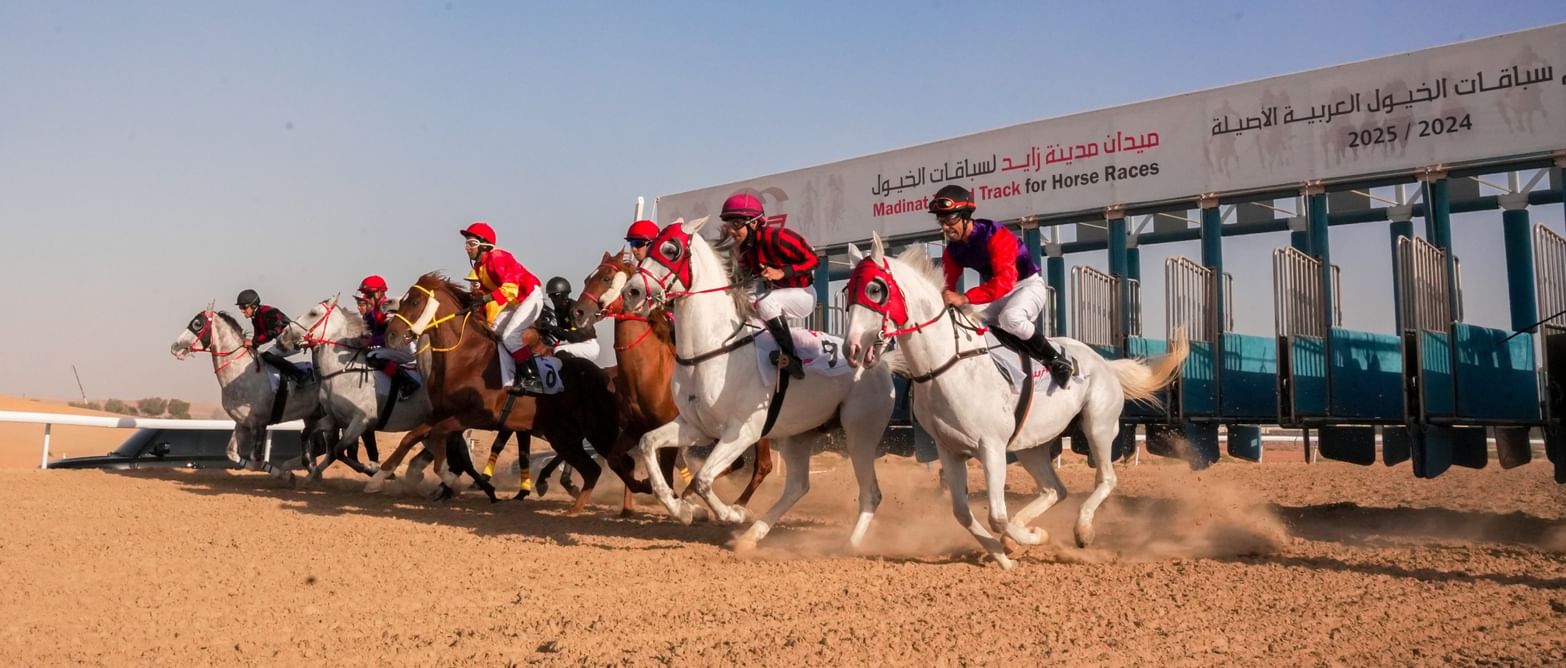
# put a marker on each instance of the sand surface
(1275, 564)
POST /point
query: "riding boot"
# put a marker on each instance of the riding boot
(285, 367)
(527, 380)
(1060, 368)
(780, 332)
(405, 383)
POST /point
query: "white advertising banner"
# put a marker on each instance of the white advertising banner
(1488, 99)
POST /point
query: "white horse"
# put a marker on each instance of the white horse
(967, 406)
(351, 386)
(247, 392)
(723, 395)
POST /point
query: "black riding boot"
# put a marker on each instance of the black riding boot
(1060, 368)
(779, 328)
(527, 381)
(405, 383)
(285, 367)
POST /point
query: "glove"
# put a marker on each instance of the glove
(477, 305)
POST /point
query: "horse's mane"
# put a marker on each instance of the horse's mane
(919, 261)
(459, 292)
(727, 250)
(352, 323)
(231, 321)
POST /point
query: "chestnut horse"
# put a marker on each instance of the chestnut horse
(463, 375)
(644, 353)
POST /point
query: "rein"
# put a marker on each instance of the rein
(958, 353)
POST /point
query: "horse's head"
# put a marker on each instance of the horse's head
(602, 288)
(430, 299)
(203, 333)
(322, 323)
(877, 303)
(666, 270)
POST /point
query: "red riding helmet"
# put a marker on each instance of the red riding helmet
(642, 230)
(744, 206)
(372, 284)
(482, 231)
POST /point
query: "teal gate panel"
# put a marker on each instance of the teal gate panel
(1199, 381)
(1249, 377)
(1366, 375)
(1435, 369)
(1496, 379)
(1308, 370)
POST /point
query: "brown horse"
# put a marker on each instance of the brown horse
(644, 353)
(462, 371)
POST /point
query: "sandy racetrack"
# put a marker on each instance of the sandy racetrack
(1276, 564)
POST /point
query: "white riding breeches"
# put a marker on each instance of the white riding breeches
(1018, 311)
(587, 350)
(797, 303)
(516, 318)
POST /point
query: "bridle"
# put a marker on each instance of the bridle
(204, 339)
(427, 322)
(888, 301)
(309, 338)
(615, 309)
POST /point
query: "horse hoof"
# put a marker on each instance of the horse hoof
(744, 545)
(1026, 535)
(540, 488)
(1005, 562)
(686, 513)
(1084, 535)
(627, 513)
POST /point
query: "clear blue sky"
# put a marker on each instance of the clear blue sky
(155, 156)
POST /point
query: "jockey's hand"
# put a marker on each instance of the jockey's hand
(250, 342)
(955, 299)
(771, 273)
(477, 305)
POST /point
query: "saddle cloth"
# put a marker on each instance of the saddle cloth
(383, 383)
(275, 377)
(1009, 364)
(821, 353)
(548, 372)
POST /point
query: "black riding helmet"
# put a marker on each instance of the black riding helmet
(952, 199)
(247, 298)
(557, 286)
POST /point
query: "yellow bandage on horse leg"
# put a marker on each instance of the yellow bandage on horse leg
(685, 475)
(527, 480)
(489, 468)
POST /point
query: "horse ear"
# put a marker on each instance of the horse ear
(854, 254)
(694, 227)
(877, 249)
(607, 257)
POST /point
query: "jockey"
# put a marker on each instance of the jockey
(1012, 286)
(558, 327)
(511, 299)
(781, 258)
(371, 300)
(640, 237)
(268, 323)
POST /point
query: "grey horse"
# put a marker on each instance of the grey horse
(352, 385)
(247, 390)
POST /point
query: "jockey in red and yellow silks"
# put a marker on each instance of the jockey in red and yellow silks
(511, 299)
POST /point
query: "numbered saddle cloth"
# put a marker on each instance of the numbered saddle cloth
(548, 372)
(820, 353)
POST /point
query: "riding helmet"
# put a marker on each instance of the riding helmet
(952, 199)
(557, 286)
(248, 298)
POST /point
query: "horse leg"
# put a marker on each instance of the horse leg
(576, 457)
(992, 460)
(370, 448)
(1036, 461)
(796, 481)
(462, 463)
(378, 481)
(677, 433)
(733, 444)
(759, 472)
(1101, 439)
(955, 469)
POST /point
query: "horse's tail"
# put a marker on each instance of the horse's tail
(1141, 381)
